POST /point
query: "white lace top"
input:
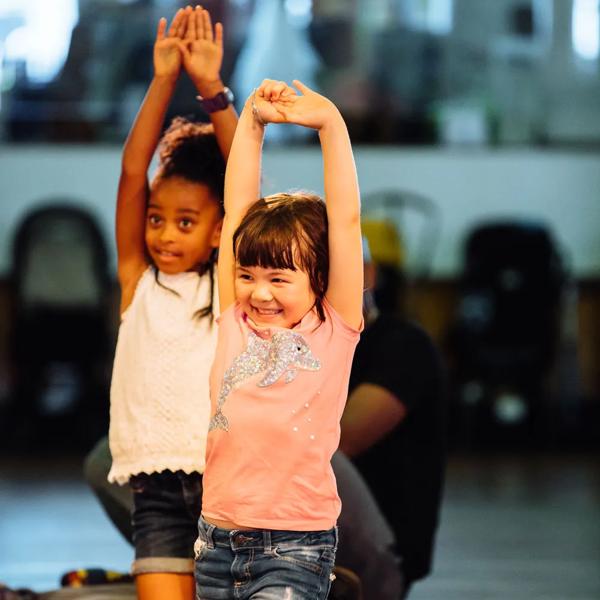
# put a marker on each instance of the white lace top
(160, 402)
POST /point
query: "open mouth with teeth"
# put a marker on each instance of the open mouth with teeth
(266, 312)
(166, 254)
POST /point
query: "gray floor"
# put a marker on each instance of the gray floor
(512, 528)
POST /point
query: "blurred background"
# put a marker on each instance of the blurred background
(476, 128)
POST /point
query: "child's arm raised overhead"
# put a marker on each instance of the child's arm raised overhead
(202, 52)
(138, 151)
(342, 198)
(242, 189)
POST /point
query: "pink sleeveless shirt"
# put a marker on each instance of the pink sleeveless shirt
(277, 396)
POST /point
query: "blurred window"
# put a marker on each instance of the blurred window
(586, 29)
(469, 72)
(40, 38)
(434, 16)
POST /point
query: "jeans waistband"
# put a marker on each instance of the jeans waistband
(259, 539)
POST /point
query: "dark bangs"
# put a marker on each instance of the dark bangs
(269, 240)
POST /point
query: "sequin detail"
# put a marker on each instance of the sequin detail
(281, 356)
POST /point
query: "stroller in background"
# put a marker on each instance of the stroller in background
(61, 329)
(506, 335)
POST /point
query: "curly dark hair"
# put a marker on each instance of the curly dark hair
(189, 150)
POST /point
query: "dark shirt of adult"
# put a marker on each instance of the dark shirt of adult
(393, 428)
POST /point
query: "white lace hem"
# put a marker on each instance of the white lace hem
(121, 473)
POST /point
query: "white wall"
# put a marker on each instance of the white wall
(560, 188)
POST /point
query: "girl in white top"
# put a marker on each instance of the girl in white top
(167, 234)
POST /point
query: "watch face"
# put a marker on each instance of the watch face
(219, 102)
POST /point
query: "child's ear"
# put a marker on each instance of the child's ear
(216, 234)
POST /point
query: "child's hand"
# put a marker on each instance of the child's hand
(276, 102)
(167, 54)
(267, 99)
(202, 48)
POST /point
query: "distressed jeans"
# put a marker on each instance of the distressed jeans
(263, 564)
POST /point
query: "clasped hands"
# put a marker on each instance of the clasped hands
(277, 102)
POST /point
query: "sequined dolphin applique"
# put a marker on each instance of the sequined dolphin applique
(288, 352)
(283, 355)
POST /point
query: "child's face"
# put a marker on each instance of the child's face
(273, 297)
(183, 225)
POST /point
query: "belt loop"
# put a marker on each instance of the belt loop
(267, 541)
(208, 530)
(209, 536)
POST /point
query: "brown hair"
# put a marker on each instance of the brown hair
(287, 231)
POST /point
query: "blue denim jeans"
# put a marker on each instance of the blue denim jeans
(166, 508)
(263, 564)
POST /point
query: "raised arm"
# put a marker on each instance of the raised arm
(242, 189)
(138, 152)
(345, 287)
(342, 197)
(202, 52)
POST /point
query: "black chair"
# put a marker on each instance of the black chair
(60, 342)
(504, 341)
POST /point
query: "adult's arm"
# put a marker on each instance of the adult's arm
(372, 412)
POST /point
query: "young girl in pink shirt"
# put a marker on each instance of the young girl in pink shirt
(290, 291)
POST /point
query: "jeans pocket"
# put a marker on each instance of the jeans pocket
(310, 558)
(199, 549)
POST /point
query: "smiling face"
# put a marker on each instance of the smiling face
(282, 258)
(183, 225)
(274, 297)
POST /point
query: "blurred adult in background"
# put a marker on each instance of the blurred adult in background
(393, 429)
